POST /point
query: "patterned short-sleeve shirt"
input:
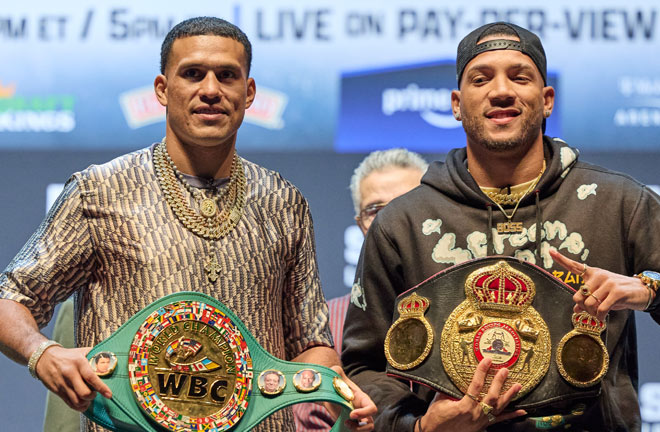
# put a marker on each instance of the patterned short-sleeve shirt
(112, 239)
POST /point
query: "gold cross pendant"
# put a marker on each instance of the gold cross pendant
(212, 268)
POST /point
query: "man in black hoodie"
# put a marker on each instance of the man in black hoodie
(516, 192)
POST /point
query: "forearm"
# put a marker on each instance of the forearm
(321, 355)
(21, 338)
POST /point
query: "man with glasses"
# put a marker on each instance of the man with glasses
(382, 176)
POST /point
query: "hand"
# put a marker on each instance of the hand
(362, 416)
(609, 291)
(466, 414)
(67, 373)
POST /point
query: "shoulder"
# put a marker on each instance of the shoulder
(269, 188)
(584, 172)
(120, 172)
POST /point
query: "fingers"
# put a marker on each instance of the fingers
(361, 418)
(510, 415)
(479, 377)
(68, 374)
(493, 398)
(364, 411)
(493, 403)
(568, 264)
(362, 425)
(92, 381)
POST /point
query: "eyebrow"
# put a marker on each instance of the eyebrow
(482, 66)
(201, 65)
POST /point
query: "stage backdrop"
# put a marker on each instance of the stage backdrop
(330, 74)
(335, 79)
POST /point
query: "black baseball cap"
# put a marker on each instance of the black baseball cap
(529, 44)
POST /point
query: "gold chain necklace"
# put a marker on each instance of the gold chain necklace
(505, 198)
(516, 227)
(210, 223)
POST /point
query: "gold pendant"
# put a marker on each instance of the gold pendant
(497, 320)
(582, 358)
(510, 227)
(208, 208)
(212, 268)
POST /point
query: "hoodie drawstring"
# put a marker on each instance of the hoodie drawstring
(489, 230)
(537, 252)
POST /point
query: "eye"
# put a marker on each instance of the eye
(479, 79)
(226, 74)
(522, 77)
(192, 73)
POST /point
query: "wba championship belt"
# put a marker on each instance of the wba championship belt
(511, 311)
(187, 363)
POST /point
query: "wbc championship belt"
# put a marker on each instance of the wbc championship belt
(508, 310)
(187, 363)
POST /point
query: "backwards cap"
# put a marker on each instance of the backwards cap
(529, 45)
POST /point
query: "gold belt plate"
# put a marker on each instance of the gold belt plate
(582, 358)
(190, 367)
(497, 320)
(409, 340)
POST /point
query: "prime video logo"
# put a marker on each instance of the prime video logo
(432, 104)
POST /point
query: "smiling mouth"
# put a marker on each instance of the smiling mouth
(502, 117)
(209, 111)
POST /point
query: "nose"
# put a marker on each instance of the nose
(210, 88)
(501, 92)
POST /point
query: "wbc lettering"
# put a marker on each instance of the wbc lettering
(177, 386)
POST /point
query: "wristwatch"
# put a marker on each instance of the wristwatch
(650, 278)
(652, 281)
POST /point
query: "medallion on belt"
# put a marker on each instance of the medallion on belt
(190, 368)
(409, 340)
(497, 320)
(582, 357)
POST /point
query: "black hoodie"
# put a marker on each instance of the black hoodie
(588, 213)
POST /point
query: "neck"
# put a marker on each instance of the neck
(501, 169)
(201, 161)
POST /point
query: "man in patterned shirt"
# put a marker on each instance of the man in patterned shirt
(185, 214)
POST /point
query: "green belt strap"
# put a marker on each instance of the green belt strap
(124, 412)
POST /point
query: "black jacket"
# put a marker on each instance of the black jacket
(588, 213)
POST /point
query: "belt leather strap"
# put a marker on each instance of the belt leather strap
(123, 412)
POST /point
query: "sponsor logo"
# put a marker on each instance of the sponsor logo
(141, 108)
(432, 104)
(35, 113)
(642, 97)
(267, 109)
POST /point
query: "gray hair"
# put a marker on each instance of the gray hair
(379, 160)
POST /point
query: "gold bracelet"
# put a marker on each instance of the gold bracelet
(36, 355)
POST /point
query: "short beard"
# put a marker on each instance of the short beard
(475, 131)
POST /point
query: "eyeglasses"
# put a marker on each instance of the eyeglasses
(369, 212)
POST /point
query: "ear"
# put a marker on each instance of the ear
(456, 104)
(548, 99)
(251, 92)
(160, 88)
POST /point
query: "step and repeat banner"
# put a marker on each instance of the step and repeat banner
(331, 75)
(335, 80)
